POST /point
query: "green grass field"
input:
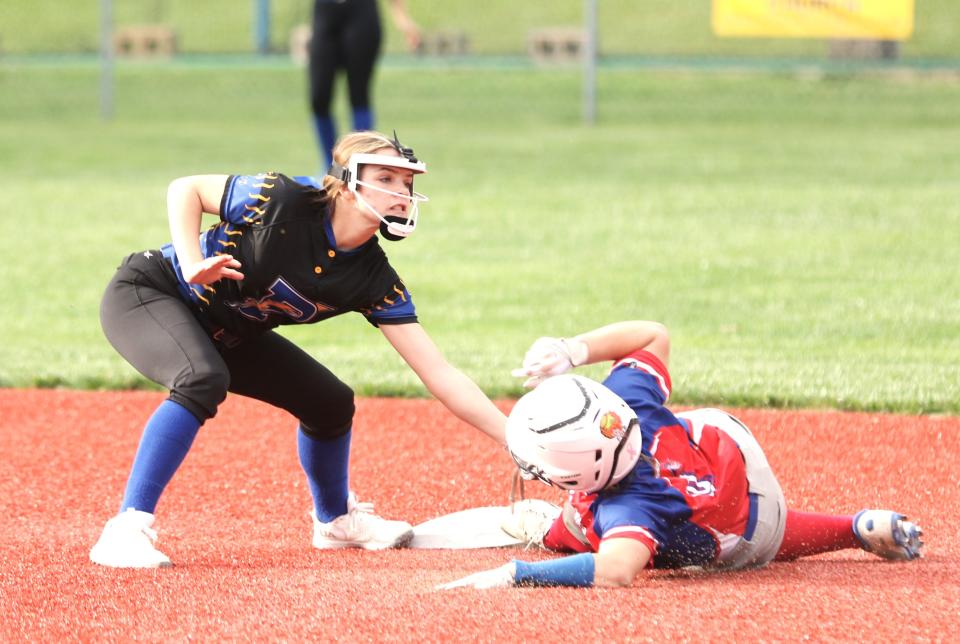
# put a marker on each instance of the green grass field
(800, 237)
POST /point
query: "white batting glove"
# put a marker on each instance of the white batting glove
(502, 577)
(550, 357)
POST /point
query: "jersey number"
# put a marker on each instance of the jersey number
(698, 487)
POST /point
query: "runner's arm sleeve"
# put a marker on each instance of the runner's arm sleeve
(575, 570)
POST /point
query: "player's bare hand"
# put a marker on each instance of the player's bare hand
(502, 577)
(413, 36)
(212, 269)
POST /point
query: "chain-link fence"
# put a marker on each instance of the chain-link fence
(626, 28)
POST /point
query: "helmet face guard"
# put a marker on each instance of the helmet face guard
(391, 227)
(529, 471)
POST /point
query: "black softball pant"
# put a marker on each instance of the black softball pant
(149, 323)
(346, 35)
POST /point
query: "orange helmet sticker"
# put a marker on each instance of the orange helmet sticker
(611, 426)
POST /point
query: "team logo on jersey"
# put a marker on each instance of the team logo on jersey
(611, 426)
(279, 300)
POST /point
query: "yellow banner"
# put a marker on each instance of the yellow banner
(870, 19)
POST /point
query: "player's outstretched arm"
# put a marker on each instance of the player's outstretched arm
(554, 356)
(613, 341)
(451, 386)
(617, 564)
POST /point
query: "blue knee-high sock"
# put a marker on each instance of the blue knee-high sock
(326, 131)
(326, 464)
(166, 440)
(362, 118)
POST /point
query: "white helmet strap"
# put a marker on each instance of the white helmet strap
(391, 226)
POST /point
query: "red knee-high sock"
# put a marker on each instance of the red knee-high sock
(809, 533)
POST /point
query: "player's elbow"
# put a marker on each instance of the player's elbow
(619, 562)
(659, 331)
(624, 580)
(616, 572)
(652, 336)
(177, 187)
(615, 578)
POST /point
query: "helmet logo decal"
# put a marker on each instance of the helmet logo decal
(611, 426)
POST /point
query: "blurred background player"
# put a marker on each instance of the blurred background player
(198, 316)
(347, 36)
(650, 489)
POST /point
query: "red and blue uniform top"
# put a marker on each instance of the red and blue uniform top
(279, 229)
(684, 499)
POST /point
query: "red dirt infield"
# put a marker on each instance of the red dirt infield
(234, 521)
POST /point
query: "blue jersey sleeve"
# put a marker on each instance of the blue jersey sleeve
(395, 308)
(642, 380)
(642, 506)
(657, 515)
(247, 198)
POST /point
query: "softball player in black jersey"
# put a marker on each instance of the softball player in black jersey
(346, 36)
(197, 316)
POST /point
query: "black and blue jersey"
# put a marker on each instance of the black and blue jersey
(279, 229)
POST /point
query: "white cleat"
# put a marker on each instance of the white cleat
(360, 528)
(127, 541)
(888, 534)
(530, 520)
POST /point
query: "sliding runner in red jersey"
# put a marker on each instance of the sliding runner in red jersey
(649, 488)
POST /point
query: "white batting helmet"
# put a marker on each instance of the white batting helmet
(574, 433)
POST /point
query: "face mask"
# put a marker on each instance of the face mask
(392, 227)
